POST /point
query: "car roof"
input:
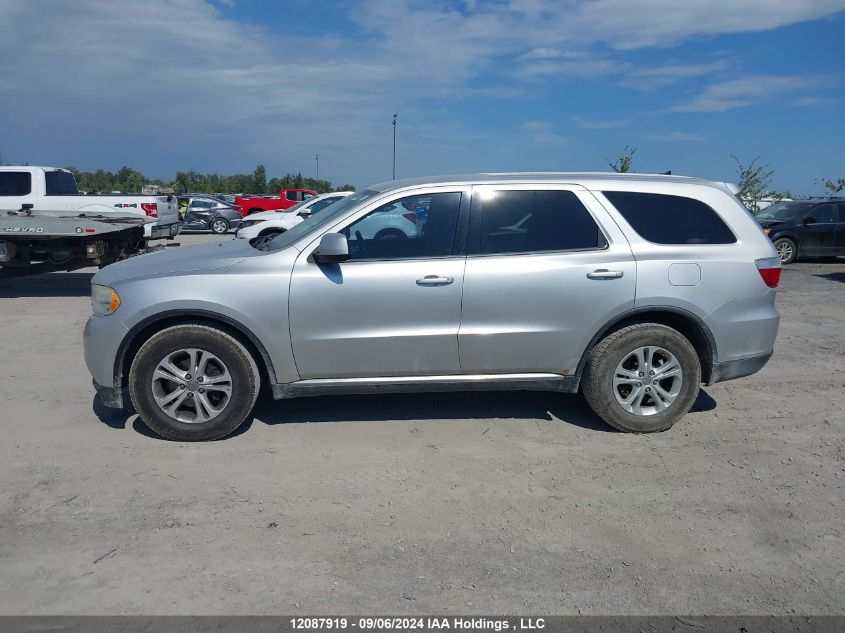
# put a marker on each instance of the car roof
(544, 177)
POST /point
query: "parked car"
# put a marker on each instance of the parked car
(269, 224)
(205, 213)
(811, 228)
(285, 200)
(634, 289)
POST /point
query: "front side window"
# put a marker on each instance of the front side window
(60, 183)
(665, 219)
(825, 214)
(291, 195)
(15, 183)
(394, 230)
(531, 221)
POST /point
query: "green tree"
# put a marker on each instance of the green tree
(346, 188)
(832, 187)
(259, 180)
(755, 179)
(623, 162)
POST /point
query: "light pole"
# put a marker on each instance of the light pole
(394, 147)
(317, 161)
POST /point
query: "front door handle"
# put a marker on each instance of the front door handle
(603, 273)
(434, 280)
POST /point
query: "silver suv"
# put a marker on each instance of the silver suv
(635, 289)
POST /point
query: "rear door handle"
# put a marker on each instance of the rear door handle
(603, 273)
(434, 280)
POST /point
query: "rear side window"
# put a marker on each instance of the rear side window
(529, 222)
(825, 214)
(665, 219)
(60, 183)
(15, 183)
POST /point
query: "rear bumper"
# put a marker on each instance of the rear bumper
(738, 368)
(159, 231)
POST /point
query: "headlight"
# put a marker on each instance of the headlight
(767, 231)
(245, 223)
(104, 300)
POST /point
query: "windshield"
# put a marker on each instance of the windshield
(296, 207)
(783, 211)
(317, 221)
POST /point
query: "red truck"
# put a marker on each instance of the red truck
(287, 198)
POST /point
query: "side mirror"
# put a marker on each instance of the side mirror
(305, 213)
(333, 249)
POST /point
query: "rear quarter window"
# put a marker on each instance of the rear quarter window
(60, 183)
(666, 219)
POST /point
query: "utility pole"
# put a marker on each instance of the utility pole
(394, 147)
(317, 161)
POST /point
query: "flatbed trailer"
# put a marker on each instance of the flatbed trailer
(33, 242)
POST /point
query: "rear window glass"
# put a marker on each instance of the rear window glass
(529, 222)
(665, 219)
(60, 183)
(15, 183)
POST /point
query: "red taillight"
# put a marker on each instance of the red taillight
(410, 216)
(769, 270)
(150, 208)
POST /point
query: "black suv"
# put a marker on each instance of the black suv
(813, 228)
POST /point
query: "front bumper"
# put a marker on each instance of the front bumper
(112, 397)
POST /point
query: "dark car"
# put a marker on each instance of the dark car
(206, 213)
(811, 228)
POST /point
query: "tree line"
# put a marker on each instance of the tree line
(754, 179)
(132, 180)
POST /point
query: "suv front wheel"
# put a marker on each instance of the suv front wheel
(642, 378)
(193, 383)
(787, 250)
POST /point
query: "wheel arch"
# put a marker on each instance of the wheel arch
(684, 321)
(142, 331)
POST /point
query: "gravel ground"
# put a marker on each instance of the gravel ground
(508, 503)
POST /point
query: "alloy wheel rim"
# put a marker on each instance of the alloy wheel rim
(647, 380)
(191, 385)
(218, 227)
(785, 251)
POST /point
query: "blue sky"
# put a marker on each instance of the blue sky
(504, 85)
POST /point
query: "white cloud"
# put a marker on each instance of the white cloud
(601, 125)
(543, 133)
(624, 24)
(746, 91)
(650, 78)
(674, 136)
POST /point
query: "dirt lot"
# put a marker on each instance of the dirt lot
(502, 503)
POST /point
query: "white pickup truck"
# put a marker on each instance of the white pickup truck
(53, 189)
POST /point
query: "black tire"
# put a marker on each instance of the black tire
(390, 234)
(597, 381)
(787, 250)
(219, 226)
(239, 362)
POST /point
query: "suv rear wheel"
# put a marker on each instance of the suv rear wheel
(642, 378)
(193, 383)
